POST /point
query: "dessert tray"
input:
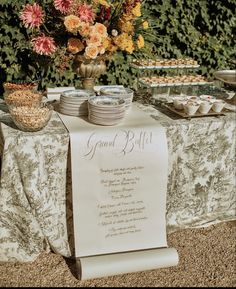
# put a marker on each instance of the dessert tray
(164, 63)
(183, 114)
(170, 81)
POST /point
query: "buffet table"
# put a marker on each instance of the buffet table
(36, 198)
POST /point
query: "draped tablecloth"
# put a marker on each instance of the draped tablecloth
(35, 196)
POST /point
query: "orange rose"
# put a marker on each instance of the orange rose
(74, 45)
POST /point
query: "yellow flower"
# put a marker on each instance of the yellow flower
(126, 26)
(112, 48)
(74, 45)
(140, 41)
(121, 40)
(106, 43)
(145, 24)
(124, 42)
(127, 17)
(72, 23)
(101, 2)
(136, 11)
(130, 47)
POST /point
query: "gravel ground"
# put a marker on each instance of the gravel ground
(207, 259)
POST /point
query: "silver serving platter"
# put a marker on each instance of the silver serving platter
(228, 77)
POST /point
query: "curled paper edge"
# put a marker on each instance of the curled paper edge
(129, 262)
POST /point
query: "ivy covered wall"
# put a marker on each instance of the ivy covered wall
(202, 29)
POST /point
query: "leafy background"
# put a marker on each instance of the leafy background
(204, 30)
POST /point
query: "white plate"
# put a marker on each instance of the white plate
(106, 101)
(77, 94)
(97, 88)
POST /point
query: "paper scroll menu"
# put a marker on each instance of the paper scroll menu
(113, 264)
(119, 183)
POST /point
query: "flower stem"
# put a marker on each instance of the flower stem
(46, 28)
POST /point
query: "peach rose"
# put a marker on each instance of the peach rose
(101, 29)
(72, 23)
(84, 29)
(102, 50)
(91, 51)
(94, 39)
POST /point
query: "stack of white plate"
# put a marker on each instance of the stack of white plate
(126, 93)
(75, 102)
(106, 110)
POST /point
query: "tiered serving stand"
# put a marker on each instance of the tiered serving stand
(161, 91)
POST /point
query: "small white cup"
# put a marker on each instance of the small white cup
(205, 107)
(191, 107)
(218, 105)
(179, 102)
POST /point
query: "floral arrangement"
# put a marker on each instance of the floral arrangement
(88, 28)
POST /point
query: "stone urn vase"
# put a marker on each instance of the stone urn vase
(89, 70)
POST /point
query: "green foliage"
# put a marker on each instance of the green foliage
(204, 30)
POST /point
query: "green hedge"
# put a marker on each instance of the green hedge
(204, 30)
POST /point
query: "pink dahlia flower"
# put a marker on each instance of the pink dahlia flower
(43, 45)
(85, 13)
(63, 5)
(32, 15)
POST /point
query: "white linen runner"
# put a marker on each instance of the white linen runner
(119, 184)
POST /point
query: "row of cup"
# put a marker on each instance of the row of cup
(203, 104)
